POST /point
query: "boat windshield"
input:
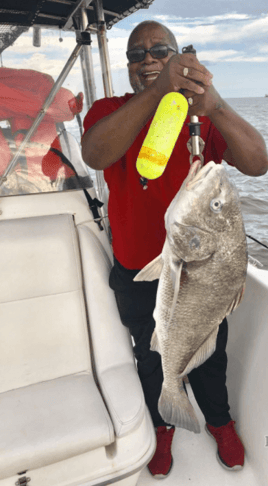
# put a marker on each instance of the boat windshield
(49, 159)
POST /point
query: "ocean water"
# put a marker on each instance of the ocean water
(253, 191)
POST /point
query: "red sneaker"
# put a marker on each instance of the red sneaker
(161, 464)
(230, 448)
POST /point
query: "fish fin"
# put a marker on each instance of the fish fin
(206, 349)
(175, 271)
(155, 343)
(152, 271)
(237, 300)
(177, 410)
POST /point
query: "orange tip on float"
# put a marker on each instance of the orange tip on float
(162, 135)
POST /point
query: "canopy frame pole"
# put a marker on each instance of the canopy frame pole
(103, 49)
(87, 66)
(107, 84)
(61, 78)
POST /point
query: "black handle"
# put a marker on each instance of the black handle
(189, 50)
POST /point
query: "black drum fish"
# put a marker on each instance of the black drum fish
(202, 273)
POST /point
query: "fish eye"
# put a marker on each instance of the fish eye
(216, 205)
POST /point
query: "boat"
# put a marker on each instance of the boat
(71, 405)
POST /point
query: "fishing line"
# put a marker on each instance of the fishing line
(265, 246)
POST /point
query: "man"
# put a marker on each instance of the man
(114, 132)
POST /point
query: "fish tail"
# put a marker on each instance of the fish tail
(176, 409)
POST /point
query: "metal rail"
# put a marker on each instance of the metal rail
(69, 21)
(87, 66)
(107, 84)
(103, 49)
(195, 144)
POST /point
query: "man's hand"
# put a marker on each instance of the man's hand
(246, 147)
(204, 104)
(183, 71)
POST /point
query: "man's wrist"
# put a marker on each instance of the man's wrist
(219, 105)
(218, 109)
(155, 93)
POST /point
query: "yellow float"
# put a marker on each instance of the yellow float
(162, 135)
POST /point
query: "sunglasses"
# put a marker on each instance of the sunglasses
(157, 52)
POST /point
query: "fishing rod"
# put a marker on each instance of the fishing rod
(257, 241)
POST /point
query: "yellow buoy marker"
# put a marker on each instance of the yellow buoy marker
(162, 135)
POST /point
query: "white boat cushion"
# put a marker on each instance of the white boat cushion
(52, 421)
(50, 407)
(39, 256)
(43, 332)
(112, 349)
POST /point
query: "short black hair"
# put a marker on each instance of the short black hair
(170, 35)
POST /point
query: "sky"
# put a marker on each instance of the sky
(230, 37)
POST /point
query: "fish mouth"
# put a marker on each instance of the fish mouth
(198, 174)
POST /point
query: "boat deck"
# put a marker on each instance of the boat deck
(195, 462)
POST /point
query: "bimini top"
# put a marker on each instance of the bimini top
(60, 13)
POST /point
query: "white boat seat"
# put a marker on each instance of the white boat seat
(43, 322)
(51, 421)
(111, 344)
(50, 406)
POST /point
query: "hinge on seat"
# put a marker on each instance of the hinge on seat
(22, 481)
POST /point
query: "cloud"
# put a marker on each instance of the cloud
(251, 30)
(247, 59)
(229, 16)
(24, 44)
(213, 56)
(229, 55)
(218, 29)
(227, 27)
(117, 52)
(119, 32)
(43, 63)
(263, 48)
(202, 20)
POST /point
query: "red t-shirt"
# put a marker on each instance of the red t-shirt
(137, 215)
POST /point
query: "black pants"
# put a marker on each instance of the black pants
(136, 302)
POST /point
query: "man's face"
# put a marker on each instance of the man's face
(144, 73)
